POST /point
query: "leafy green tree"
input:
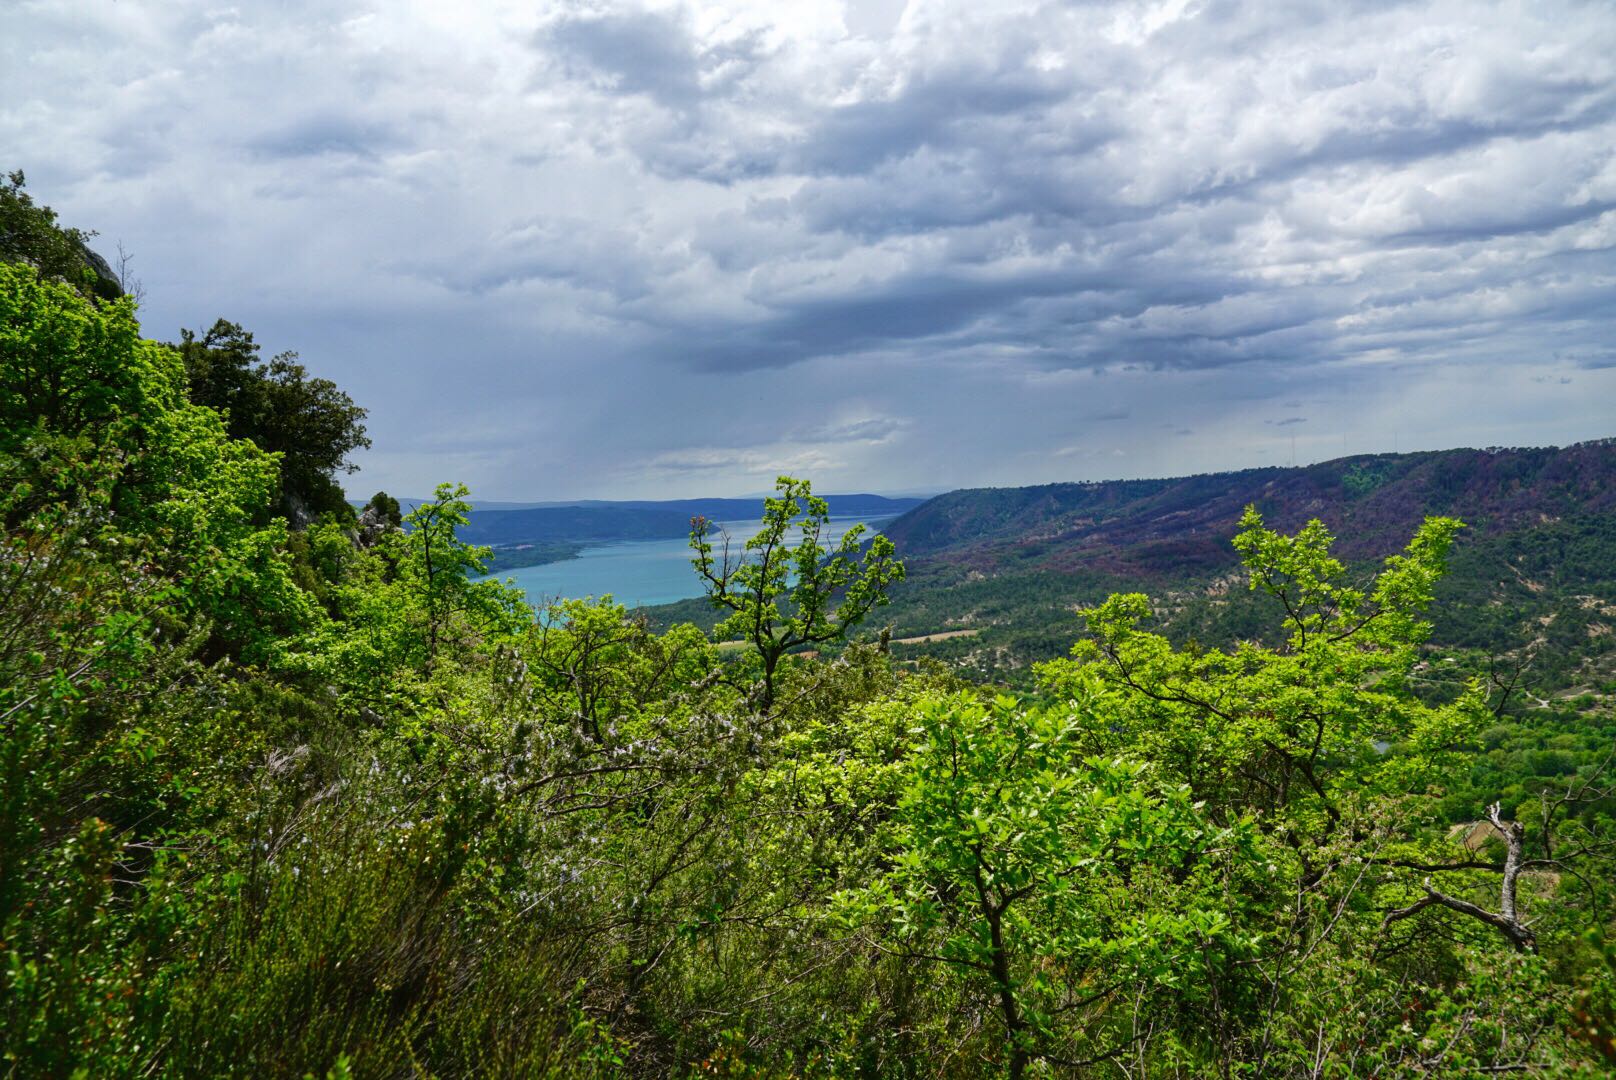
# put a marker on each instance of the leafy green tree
(438, 568)
(780, 597)
(1061, 887)
(1297, 733)
(593, 663)
(386, 510)
(311, 423)
(79, 384)
(1324, 744)
(404, 603)
(72, 369)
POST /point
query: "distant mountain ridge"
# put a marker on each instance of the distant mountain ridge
(601, 521)
(1169, 526)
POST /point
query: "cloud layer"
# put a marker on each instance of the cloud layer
(622, 250)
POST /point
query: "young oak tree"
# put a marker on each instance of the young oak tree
(1321, 741)
(277, 404)
(779, 597)
(416, 597)
(1066, 893)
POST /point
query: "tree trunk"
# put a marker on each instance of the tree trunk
(1505, 921)
(1000, 965)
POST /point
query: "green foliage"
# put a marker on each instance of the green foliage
(780, 598)
(72, 368)
(1321, 742)
(309, 422)
(386, 509)
(1362, 478)
(30, 235)
(82, 390)
(1060, 886)
(403, 602)
(594, 664)
(1297, 730)
(435, 568)
(482, 840)
(104, 785)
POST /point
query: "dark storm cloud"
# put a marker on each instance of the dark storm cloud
(609, 243)
(328, 133)
(1594, 357)
(1107, 238)
(946, 111)
(639, 53)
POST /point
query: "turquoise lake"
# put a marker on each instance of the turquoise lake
(639, 573)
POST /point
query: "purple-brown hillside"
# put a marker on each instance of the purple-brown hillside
(1372, 503)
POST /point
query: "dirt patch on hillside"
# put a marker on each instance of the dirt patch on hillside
(943, 636)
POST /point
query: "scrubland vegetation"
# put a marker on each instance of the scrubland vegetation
(289, 791)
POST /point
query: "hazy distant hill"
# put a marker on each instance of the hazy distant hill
(597, 522)
(1153, 527)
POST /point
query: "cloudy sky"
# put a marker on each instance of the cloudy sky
(614, 250)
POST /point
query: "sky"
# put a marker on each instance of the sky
(613, 250)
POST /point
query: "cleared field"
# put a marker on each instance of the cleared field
(943, 636)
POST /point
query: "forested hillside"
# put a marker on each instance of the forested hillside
(1179, 526)
(288, 790)
(1532, 569)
